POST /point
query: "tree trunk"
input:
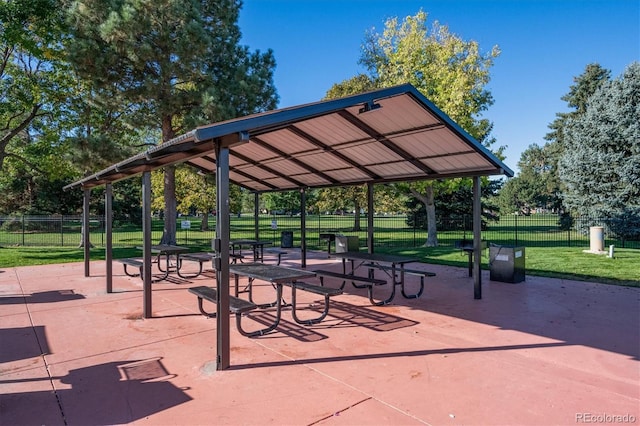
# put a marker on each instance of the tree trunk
(81, 245)
(432, 229)
(170, 209)
(204, 225)
(430, 206)
(356, 217)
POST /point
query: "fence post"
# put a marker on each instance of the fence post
(23, 230)
(516, 223)
(62, 230)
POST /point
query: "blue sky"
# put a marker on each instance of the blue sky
(544, 44)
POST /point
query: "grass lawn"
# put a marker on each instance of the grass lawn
(559, 262)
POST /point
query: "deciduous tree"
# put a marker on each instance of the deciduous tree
(449, 71)
(34, 80)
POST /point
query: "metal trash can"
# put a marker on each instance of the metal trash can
(286, 239)
(506, 264)
(345, 244)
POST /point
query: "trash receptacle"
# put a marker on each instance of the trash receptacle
(286, 239)
(347, 243)
(506, 264)
(596, 239)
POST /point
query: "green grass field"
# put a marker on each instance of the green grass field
(546, 253)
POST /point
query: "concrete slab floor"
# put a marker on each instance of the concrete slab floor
(541, 352)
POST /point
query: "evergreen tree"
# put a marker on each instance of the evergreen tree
(584, 86)
(170, 65)
(599, 167)
(536, 185)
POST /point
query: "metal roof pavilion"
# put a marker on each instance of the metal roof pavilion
(393, 134)
(387, 135)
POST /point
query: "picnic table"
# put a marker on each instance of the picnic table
(257, 247)
(166, 251)
(392, 265)
(277, 276)
(162, 251)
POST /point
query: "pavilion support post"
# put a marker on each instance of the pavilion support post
(85, 231)
(146, 244)
(108, 225)
(222, 263)
(477, 242)
(256, 215)
(370, 209)
(303, 228)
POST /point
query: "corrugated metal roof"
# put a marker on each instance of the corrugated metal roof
(393, 134)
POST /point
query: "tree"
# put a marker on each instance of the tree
(584, 86)
(599, 165)
(283, 202)
(33, 80)
(359, 84)
(455, 206)
(537, 183)
(194, 193)
(33, 177)
(173, 65)
(343, 199)
(451, 72)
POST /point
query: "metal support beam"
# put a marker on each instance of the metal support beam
(146, 244)
(303, 228)
(85, 231)
(369, 217)
(108, 228)
(477, 239)
(222, 264)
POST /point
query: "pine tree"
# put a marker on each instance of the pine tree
(174, 64)
(600, 165)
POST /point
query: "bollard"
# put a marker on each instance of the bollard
(611, 248)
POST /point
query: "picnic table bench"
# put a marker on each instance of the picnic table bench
(365, 282)
(237, 306)
(415, 272)
(277, 251)
(327, 292)
(201, 258)
(385, 262)
(136, 263)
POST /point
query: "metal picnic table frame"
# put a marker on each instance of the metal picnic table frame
(375, 260)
